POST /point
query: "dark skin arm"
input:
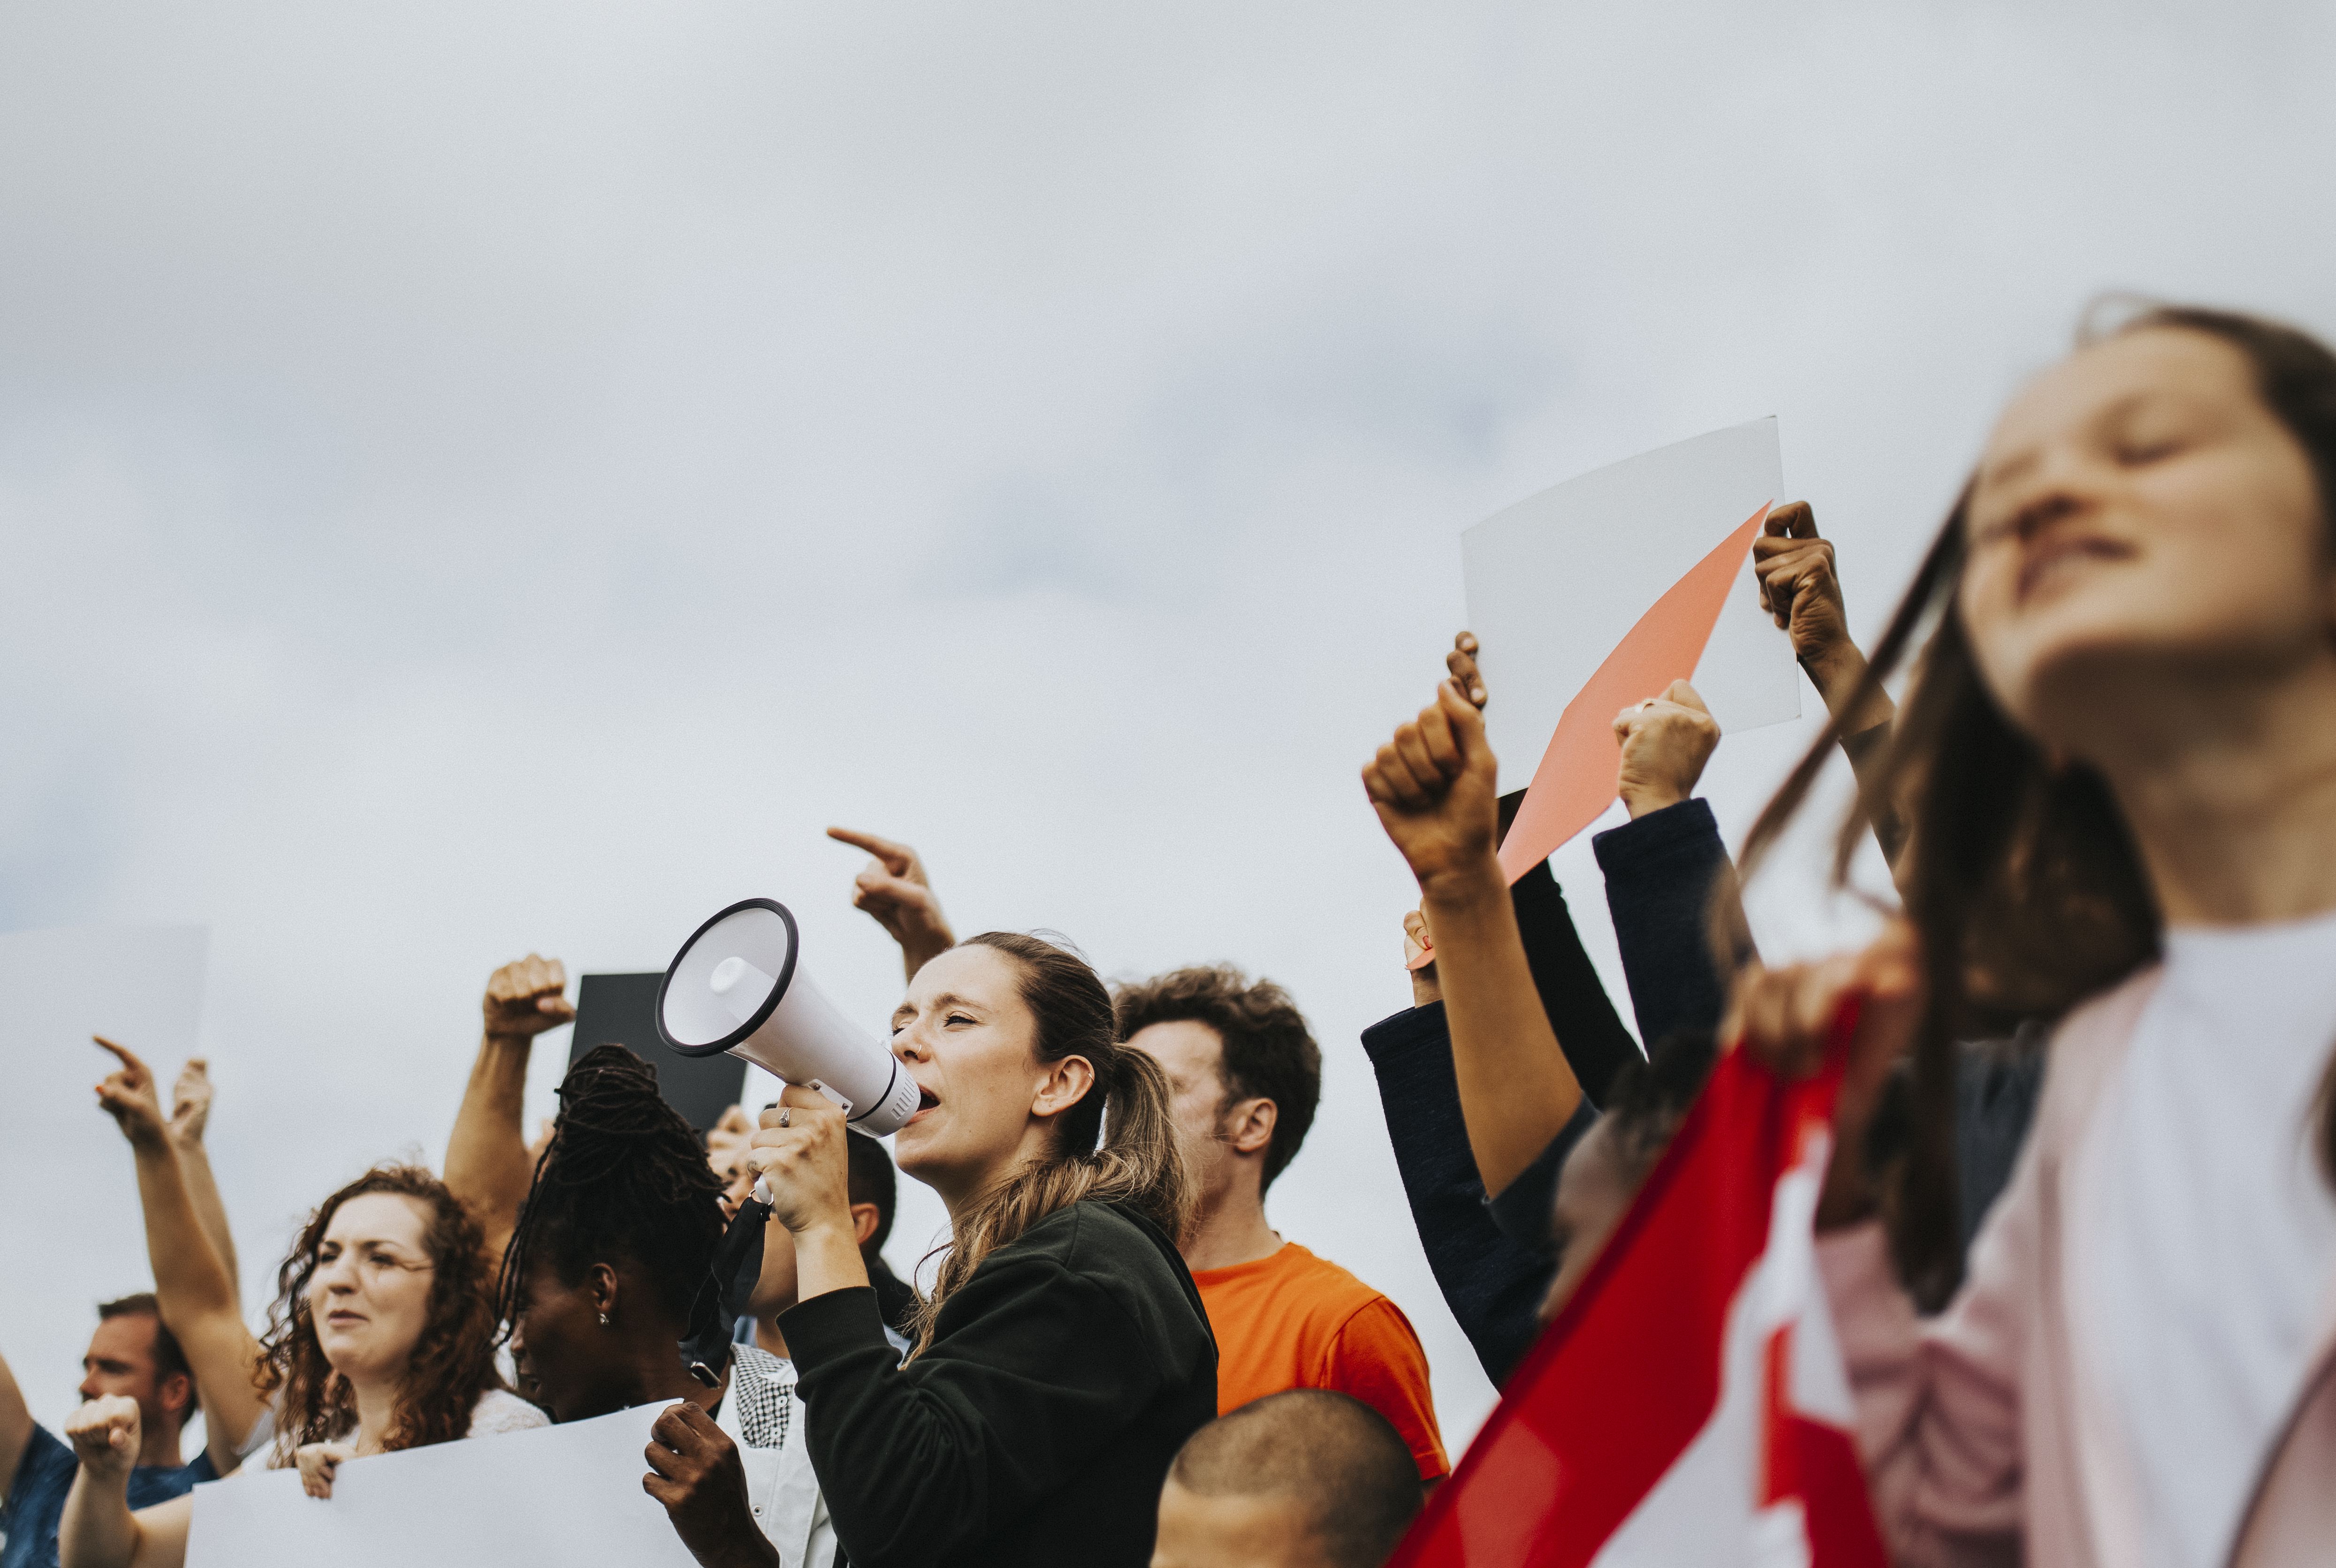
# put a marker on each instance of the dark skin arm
(694, 1472)
(1801, 589)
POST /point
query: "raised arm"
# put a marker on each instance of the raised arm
(15, 1428)
(98, 1529)
(1432, 788)
(196, 1294)
(898, 895)
(191, 1114)
(1666, 868)
(1800, 587)
(487, 1163)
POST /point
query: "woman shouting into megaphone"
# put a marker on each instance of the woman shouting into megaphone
(1062, 1356)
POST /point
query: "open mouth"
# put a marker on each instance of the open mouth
(926, 1099)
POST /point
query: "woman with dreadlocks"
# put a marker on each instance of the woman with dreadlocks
(611, 1268)
(1064, 1356)
(382, 1337)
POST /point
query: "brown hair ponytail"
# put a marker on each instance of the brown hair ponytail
(2020, 875)
(1118, 1144)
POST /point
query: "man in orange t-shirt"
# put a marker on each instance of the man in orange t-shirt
(1246, 1075)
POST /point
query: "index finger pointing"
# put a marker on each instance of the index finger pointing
(128, 1059)
(897, 858)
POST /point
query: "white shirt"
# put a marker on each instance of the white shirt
(760, 1414)
(2206, 1247)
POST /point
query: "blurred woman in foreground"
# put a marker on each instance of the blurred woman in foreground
(2118, 761)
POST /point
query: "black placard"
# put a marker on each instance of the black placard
(621, 1010)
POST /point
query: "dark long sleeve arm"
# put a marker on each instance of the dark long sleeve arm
(1492, 1262)
(1663, 872)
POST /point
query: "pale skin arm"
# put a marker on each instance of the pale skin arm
(799, 1153)
(1432, 788)
(487, 1161)
(895, 892)
(1666, 741)
(98, 1529)
(190, 1111)
(15, 1428)
(197, 1296)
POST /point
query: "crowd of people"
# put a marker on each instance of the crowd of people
(2077, 1233)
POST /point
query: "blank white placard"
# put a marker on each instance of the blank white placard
(554, 1497)
(1556, 581)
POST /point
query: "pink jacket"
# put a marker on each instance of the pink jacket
(1981, 1443)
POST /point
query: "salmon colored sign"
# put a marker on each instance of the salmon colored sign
(1576, 780)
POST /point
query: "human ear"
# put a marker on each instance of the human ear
(601, 1290)
(863, 1223)
(1065, 1084)
(1249, 1129)
(175, 1392)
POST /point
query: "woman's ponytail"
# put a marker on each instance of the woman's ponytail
(1118, 1144)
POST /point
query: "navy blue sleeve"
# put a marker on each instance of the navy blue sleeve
(1490, 1280)
(1521, 1208)
(1663, 872)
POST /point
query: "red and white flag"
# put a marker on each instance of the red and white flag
(1689, 1405)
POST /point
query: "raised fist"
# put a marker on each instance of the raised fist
(1666, 741)
(105, 1434)
(191, 1101)
(523, 998)
(1432, 788)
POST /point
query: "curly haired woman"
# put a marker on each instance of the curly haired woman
(382, 1337)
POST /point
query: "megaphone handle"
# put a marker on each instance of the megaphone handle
(834, 1098)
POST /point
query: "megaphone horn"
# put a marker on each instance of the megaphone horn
(739, 985)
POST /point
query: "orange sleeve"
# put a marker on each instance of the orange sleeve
(1377, 1359)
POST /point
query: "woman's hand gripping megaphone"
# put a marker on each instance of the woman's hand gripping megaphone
(799, 1157)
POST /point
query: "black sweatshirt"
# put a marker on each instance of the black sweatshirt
(1036, 1429)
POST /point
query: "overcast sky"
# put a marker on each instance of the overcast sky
(488, 476)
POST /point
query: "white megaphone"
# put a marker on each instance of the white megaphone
(737, 985)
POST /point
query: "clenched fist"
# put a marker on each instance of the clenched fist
(1432, 788)
(1666, 741)
(523, 998)
(105, 1434)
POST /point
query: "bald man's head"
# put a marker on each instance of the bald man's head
(1303, 1479)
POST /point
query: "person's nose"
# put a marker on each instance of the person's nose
(89, 1388)
(338, 1277)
